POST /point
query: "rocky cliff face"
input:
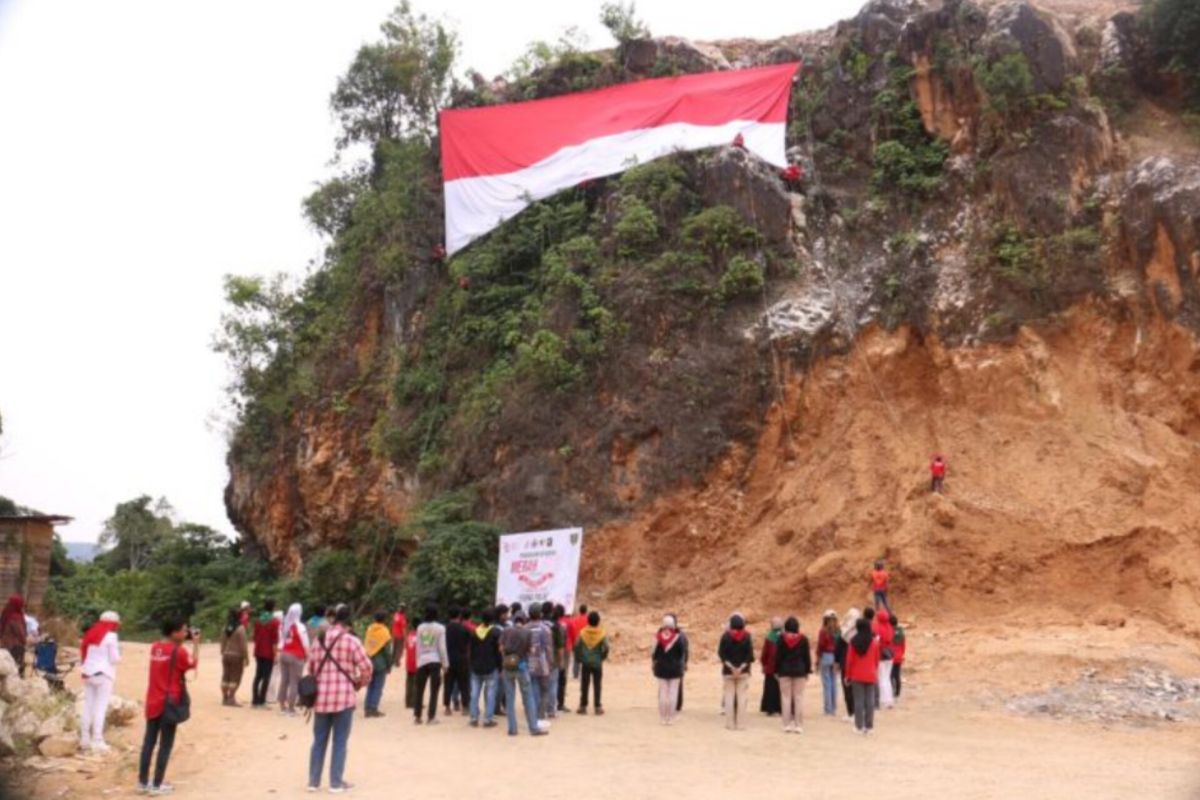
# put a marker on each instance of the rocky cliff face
(977, 258)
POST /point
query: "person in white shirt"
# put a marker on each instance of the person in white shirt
(100, 653)
(33, 631)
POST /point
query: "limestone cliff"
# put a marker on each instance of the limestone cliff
(980, 259)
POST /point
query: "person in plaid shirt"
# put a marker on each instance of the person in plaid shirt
(339, 678)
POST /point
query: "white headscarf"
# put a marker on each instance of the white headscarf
(849, 623)
(293, 620)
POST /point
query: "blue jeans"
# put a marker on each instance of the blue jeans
(513, 681)
(829, 683)
(323, 724)
(486, 685)
(552, 704)
(375, 689)
(881, 600)
(539, 687)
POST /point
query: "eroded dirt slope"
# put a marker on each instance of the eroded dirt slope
(1074, 485)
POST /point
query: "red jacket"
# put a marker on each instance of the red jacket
(882, 628)
(899, 645)
(937, 469)
(863, 668)
(767, 659)
(825, 642)
(266, 637)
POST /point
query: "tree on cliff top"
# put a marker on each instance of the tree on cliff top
(396, 87)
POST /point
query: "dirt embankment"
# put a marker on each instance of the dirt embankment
(1073, 490)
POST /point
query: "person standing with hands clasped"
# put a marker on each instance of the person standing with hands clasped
(793, 665)
(736, 652)
(667, 662)
(167, 703)
(339, 663)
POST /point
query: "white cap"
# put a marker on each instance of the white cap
(245, 604)
(110, 616)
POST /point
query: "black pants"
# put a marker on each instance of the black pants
(896, 679)
(458, 678)
(262, 680)
(679, 700)
(590, 675)
(431, 674)
(848, 695)
(563, 674)
(162, 734)
(771, 701)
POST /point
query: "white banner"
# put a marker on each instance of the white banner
(539, 566)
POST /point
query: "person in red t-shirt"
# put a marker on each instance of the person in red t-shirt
(399, 632)
(576, 624)
(169, 660)
(410, 669)
(266, 649)
(879, 586)
(937, 474)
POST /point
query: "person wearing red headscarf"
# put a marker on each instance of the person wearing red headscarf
(736, 652)
(13, 633)
(99, 653)
(667, 662)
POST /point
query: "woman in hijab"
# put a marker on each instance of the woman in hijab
(887, 639)
(293, 651)
(667, 663)
(862, 671)
(842, 646)
(99, 653)
(13, 632)
(793, 665)
(235, 656)
(770, 704)
(736, 652)
(377, 643)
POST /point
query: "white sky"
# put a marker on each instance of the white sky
(147, 148)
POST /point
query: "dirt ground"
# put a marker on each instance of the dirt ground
(950, 732)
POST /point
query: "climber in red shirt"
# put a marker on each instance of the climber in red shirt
(937, 473)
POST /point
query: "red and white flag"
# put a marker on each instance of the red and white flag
(496, 160)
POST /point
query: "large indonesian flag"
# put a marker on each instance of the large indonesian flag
(496, 160)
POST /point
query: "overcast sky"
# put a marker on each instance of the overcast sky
(147, 148)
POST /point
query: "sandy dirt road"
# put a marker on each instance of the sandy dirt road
(941, 740)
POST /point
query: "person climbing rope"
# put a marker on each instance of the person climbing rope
(879, 586)
(937, 473)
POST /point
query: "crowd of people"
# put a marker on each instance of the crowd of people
(510, 661)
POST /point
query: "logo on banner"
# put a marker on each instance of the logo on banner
(537, 583)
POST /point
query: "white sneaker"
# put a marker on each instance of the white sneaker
(101, 747)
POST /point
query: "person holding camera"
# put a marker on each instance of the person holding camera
(340, 666)
(167, 703)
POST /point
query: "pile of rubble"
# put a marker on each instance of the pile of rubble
(1145, 695)
(36, 720)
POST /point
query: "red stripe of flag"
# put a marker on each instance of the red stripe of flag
(497, 140)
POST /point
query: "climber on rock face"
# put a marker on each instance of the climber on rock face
(937, 473)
